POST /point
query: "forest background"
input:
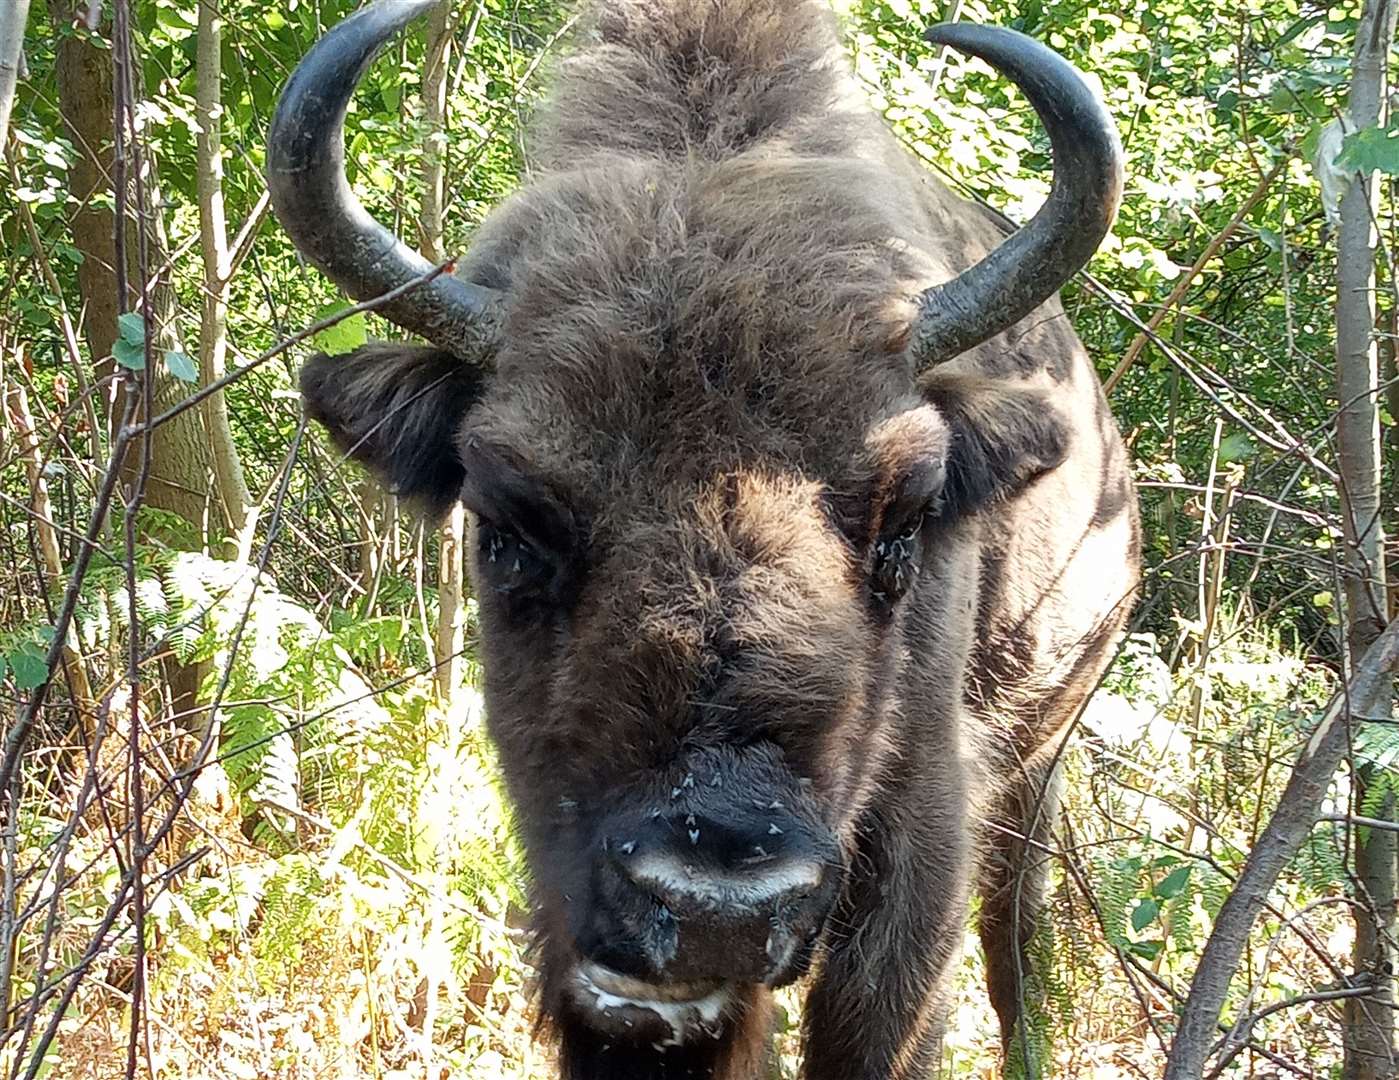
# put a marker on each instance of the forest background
(298, 808)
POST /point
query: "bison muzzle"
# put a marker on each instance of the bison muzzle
(800, 527)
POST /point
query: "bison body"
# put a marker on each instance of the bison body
(794, 561)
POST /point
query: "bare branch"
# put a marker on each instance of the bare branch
(1188, 278)
(1297, 811)
(295, 339)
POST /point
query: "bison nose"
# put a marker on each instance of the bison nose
(748, 898)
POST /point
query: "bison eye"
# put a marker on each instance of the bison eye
(898, 554)
(524, 576)
(502, 547)
(530, 543)
(533, 574)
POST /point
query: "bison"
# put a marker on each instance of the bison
(799, 524)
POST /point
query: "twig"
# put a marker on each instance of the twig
(1363, 822)
(70, 335)
(286, 343)
(398, 870)
(1188, 278)
(18, 735)
(1229, 1046)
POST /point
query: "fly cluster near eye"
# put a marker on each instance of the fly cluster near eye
(509, 559)
(533, 580)
(896, 562)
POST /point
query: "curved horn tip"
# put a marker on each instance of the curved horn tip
(312, 198)
(1056, 88)
(1032, 264)
(347, 48)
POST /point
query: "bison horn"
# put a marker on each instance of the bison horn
(1031, 265)
(314, 203)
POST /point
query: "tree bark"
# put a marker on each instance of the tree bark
(439, 43)
(1369, 1020)
(1369, 1024)
(451, 604)
(1387, 327)
(450, 637)
(13, 16)
(183, 469)
(232, 490)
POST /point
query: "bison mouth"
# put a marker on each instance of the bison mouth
(668, 1014)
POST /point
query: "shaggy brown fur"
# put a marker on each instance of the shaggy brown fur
(701, 441)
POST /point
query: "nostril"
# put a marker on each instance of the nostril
(687, 857)
(688, 885)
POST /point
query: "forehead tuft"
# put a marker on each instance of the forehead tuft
(703, 316)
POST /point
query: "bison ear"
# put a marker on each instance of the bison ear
(1002, 438)
(397, 409)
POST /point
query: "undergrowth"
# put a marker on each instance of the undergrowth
(357, 906)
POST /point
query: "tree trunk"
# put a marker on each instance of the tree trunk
(1388, 330)
(451, 604)
(183, 475)
(450, 576)
(232, 490)
(1369, 1029)
(1369, 1021)
(13, 16)
(439, 43)
(373, 507)
(183, 469)
(85, 97)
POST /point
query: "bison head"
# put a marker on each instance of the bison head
(717, 481)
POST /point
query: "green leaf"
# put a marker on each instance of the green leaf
(1236, 447)
(1308, 147)
(1371, 150)
(1173, 884)
(1144, 914)
(1147, 950)
(181, 366)
(393, 95)
(1296, 29)
(131, 328)
(36, 196)
(274, 20)
(30, 669)
(132, 357)
(174, 22)
(345, 336)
